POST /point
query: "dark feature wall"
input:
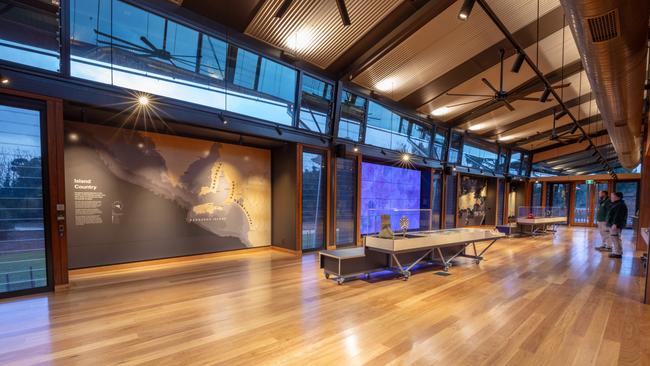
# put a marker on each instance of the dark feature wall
(284, 201)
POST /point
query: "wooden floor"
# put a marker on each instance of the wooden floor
(540, 301)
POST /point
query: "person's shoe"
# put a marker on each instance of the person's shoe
(604, 249)
(615, 255)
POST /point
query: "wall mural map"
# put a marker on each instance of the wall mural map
(137, 195)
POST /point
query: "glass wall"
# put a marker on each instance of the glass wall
(23, 263)
(117, 43)
(437, 200)
(502, 201)
(314, 196)
(450, 201)
(557, 195)
(515, 163)
(630, 196)
(582, 203)
(536, 197)
(479, 158)
(315, 104)
(346, 201)
(440, 144)
(455, 147)
(29, 33)
(389, 130)
(353, 115)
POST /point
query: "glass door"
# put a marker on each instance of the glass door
(582, 210)
(600, 186)
(23, 241)
(557, 198)
(314, 199)
(630, 190)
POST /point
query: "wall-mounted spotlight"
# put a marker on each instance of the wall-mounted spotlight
(560, 114)
(283, 8)
(278, 130)
(73, 136)
(343, 12)
(143, 100)
(466, 9)
(424, 161)
(516, 66)
(545, 94)
(406, 157)
(222, 118)
(355, 148)
(4, 81)
(383, 152)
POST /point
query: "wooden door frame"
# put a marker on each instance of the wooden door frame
(54, 177)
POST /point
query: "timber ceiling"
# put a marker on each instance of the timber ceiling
(415, 52)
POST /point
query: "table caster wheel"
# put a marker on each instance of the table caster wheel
(446, 268)
(340, 280)
(327, 275)
(406, 275)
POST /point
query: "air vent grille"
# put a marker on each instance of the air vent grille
(604, 27)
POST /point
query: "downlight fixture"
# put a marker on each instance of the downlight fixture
(560, 114)
(519, 61)
(466, 9)
(544, 97)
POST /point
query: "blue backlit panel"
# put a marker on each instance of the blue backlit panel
(388, 188)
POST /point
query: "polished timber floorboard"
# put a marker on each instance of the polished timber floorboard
(535, 301)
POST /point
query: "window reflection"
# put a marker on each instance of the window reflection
(353, 114)
(346, 201)
(314, 205)
(389, 130)
(480, 158)
(142, 51)
(454, 147)
(515, 163)
(29, 33)
(439, 145)
(315, 105)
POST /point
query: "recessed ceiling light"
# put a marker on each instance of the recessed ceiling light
(440, 111)
(475, 127)
(73, 137)
(506, 138)
(385, 85)
(300, 39)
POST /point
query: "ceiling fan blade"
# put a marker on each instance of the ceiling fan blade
(508, 105)
(562, 86)
(474, 101)
(534, 99)
(148, 43)
(489, 85)
(469, 95)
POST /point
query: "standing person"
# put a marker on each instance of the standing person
(604, 205)
(616, 220)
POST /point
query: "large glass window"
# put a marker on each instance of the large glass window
(515, 163)
(22, 230)
(480, 158)
(582, 203)
(117, 43)
(315, 104)
(501, 163)
(391, 131)
(440, 144)
(536, 196)
(450, 201)
(353, 114)
(437, 200)
(630, 192)
(502, 201)
(314, 196)
(346, 201)
(29, 33)
(557, 196)
(454, 147)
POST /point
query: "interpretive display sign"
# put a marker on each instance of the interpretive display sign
(140, 195)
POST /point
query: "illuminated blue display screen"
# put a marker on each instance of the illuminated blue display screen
(386, 188)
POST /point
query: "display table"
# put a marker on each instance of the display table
(540, 225)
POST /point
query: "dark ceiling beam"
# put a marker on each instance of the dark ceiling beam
(549, 23)
(574, 155)
(530, 86)
(395, 28)
(535, 116)
(558, 130)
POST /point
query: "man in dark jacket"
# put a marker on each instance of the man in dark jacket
(604, 204)
(616, 220)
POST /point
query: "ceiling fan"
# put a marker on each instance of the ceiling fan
(559, 137)
(500, 95)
